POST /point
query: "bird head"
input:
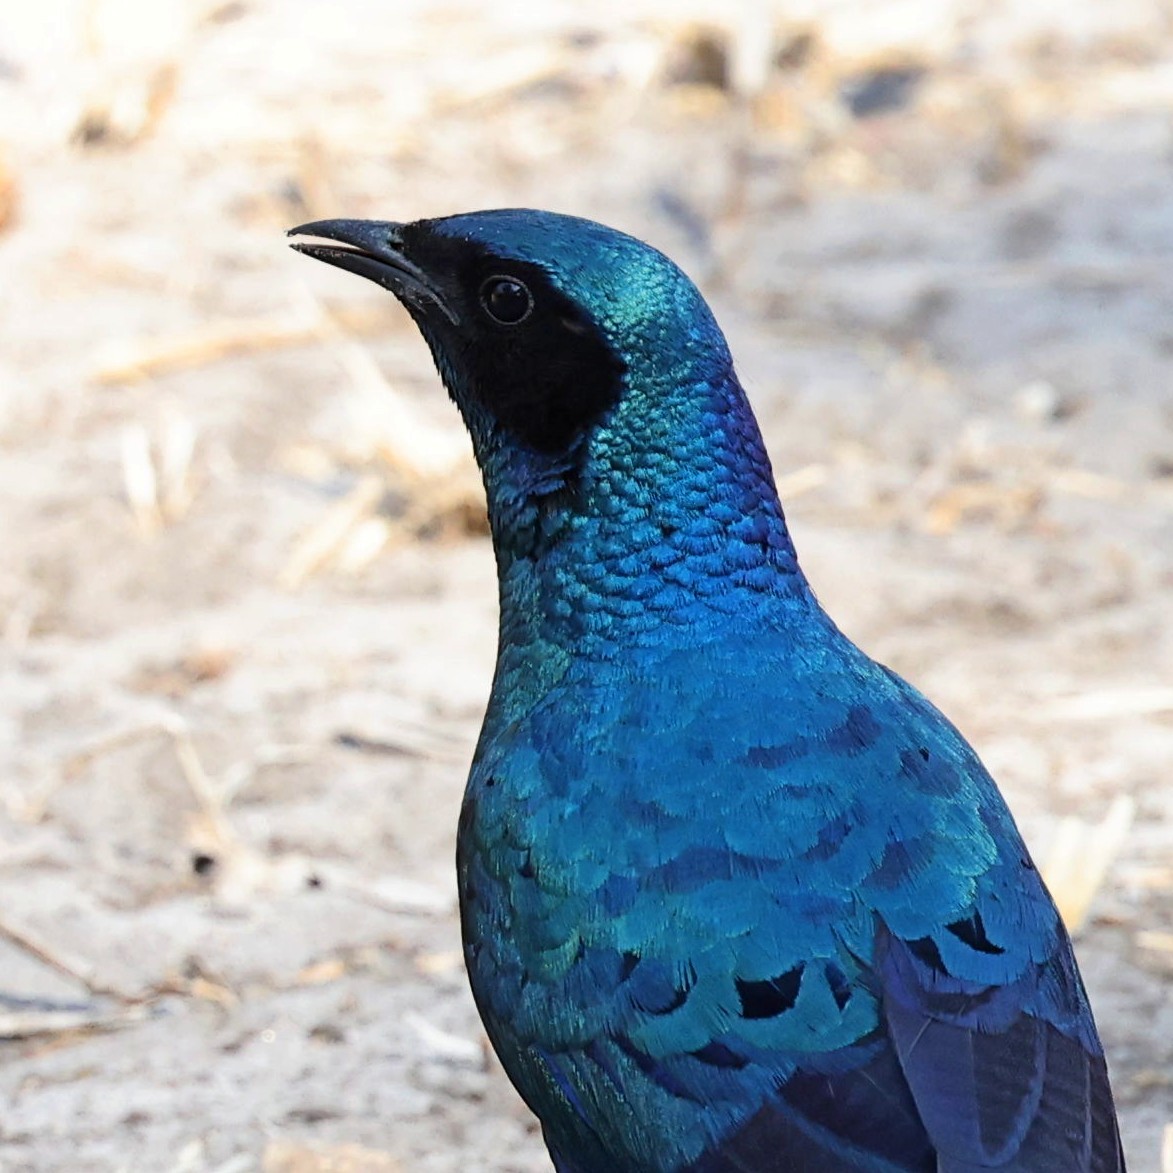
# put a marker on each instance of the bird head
(544, 327)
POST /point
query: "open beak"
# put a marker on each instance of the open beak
(373, 249)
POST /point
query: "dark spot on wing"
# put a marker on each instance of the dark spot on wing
(829, 841)
(859, 730)
(838, 983)
(973, 933)
(925, 950)
(770, 998)
(718, 1055)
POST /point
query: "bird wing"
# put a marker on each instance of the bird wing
(1003, 1077)
(792, 923)
(988, 1015)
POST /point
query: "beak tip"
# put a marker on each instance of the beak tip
(370, 249)
(312, 228)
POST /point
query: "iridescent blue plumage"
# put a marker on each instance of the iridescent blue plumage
(734, 897)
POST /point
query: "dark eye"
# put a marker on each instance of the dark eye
(506, 300)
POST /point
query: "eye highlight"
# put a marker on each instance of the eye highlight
(506, 300)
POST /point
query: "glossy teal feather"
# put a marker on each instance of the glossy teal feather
(734, 896)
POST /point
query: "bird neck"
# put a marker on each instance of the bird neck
(664, 529)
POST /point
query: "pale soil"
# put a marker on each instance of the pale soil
(955, 319)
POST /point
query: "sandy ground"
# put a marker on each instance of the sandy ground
(247, 609)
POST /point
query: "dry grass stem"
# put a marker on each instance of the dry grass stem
(444, 1046)
(139, 480)
(329, 534)
(1080, 856)
(131, 360)
(802, 481)
(410, 442)
(45, 1019)
(1156, 940)
(1109, 705)
(57, 959)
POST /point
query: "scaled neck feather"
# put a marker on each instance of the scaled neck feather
(660, 527)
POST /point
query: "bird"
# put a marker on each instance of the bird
(733, 895)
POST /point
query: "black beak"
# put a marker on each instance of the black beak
(373, 249)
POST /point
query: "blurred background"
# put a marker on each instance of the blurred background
(247, 607)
